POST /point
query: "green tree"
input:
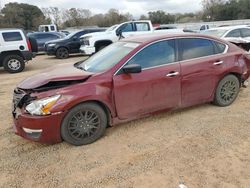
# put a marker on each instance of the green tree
(160, 17)
(23, 15)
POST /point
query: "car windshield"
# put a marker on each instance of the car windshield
(112, 28)
(108, 57)
(214, 32)
(71, 35)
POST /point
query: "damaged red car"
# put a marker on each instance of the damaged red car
(130, 79)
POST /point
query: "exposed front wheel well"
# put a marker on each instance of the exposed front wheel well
(102, 105)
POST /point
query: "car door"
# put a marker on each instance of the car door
(126, 29)
(41, 38)
(74, 43)
(157, 87)
(202, 62)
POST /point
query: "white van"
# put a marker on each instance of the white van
(47, 28)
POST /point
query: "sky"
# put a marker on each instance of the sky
(134, 7)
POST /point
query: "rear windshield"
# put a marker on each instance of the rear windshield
(12, 36)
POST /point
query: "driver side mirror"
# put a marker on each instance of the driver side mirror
(118, 32)
(132, 68)
(75, 38)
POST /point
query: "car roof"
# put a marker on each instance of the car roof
(10, 29)
(148, 38)
(230, 27)
(45, 33)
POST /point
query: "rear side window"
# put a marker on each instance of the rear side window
(142, 26)
(220, 48)
(156, 54)
(51, 36)
(234, 33)
(52, 28)
(12, 36)
(191, 48)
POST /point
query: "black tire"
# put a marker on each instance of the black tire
(227, 91)
(62, 53)
(13, 63)
(84, 124)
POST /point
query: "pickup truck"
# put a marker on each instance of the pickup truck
(94, 42)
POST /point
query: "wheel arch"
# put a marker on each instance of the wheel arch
(62, 47)
(6, 53)
(99, 103)
(238, 75)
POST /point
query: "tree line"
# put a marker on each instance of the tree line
(29, 17)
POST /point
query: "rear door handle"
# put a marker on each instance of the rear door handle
(172, 74)
(218, 62)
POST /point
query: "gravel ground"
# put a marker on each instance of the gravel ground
(202, 146)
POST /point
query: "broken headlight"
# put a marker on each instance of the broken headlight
(42, 106)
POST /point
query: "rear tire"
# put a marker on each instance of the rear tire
(84, 124)
(227, 91)
(62, 53)
(13, 63)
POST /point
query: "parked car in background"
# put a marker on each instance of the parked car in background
(47, 28)
(15, 49)
(94, 42)
(65, 32)
(69, 45)
(239, 35)
(162, 27)
(43, 37)
(129, 79)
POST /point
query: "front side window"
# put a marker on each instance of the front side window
(128, 27)
(190, 48)
(142, 26)
(156, 54)
(245, 32)
(12, 36)
(234, 33)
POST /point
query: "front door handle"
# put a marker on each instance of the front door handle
(172, 74)
(218, 62)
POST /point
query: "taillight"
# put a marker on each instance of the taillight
(29, 45)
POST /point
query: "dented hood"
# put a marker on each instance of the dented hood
(64, 72)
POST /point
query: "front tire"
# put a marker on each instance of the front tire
(227, 91)
(62, 53)
(13, 63)
(84, 124)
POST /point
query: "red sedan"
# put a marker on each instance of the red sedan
(127, 80)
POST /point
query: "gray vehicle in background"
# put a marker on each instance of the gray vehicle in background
(43, 37)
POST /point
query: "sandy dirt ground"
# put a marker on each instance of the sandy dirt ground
(202, 146)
